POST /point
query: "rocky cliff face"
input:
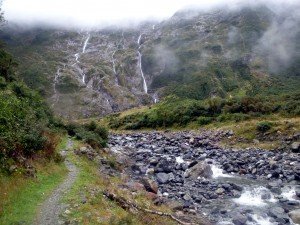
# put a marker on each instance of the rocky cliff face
(194, 54)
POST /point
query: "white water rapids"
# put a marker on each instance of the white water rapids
(254, 197)
(140, 65)
(218, 172)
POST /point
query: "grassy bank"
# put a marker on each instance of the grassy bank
(21, 196)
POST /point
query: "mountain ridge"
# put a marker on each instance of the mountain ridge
(216, 53)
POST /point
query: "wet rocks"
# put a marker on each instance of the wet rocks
(201, 169)
(295, 216)
(239, 219)
(162, 178)
(193, 169)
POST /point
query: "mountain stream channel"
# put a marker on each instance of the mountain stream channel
(228, 186)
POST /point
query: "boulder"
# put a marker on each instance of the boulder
(295, 147)
(220, 191)
(276, 212)
(150, 185)
(295, 216)
(239, 219)
(165, 166)
(201, 169)
(162, 178)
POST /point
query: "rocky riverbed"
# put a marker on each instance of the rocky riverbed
(229, 186)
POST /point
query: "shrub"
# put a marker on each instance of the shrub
(264, 126)
(202, 120)
(91, 133)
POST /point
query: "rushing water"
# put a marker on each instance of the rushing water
(218, 172)
(256, 196)
(226, 199)
(140, 65)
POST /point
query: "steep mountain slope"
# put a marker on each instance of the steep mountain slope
(195, 54)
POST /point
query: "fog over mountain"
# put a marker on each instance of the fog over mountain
(94, 13)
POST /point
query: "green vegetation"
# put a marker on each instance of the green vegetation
(264, 126)
(20, 195)
(176, 112)
(91, 133)
(25, 119)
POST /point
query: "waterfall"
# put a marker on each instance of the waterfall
(56, 80)
(77, 57)
(85, 43)
(83, 78)
(114, 68)
(140, 65)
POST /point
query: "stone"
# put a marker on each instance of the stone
(165, 166)
(201, 169)
(13, 168)
(295, 146)
(83, 150)
(239, 219)
(276, 212)
(295, 216)
(162, 178)
(220, 191)
(150, 185)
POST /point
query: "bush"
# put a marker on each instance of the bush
(264, 126)
(91, 133)
(202, 120)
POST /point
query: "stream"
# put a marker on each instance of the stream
(239, 189)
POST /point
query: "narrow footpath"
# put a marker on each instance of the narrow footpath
(53, 207)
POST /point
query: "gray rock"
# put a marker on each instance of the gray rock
(187, 197)
(276, 212)
(295, 216)
(162, 178)
(239, 219)
(201, 169)
(220, 191)
(295, 146)
(83, 150)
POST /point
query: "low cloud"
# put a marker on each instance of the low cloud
(100, 13)
(280, 43)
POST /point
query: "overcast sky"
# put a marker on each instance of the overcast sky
(86, 13)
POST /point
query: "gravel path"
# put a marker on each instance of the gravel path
(52, 207)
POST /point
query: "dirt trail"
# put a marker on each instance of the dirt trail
(52, 207)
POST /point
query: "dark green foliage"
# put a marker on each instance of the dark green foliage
(91, 133)
(176, 111)
(202, 120)
(25, 119)
(264, 126)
